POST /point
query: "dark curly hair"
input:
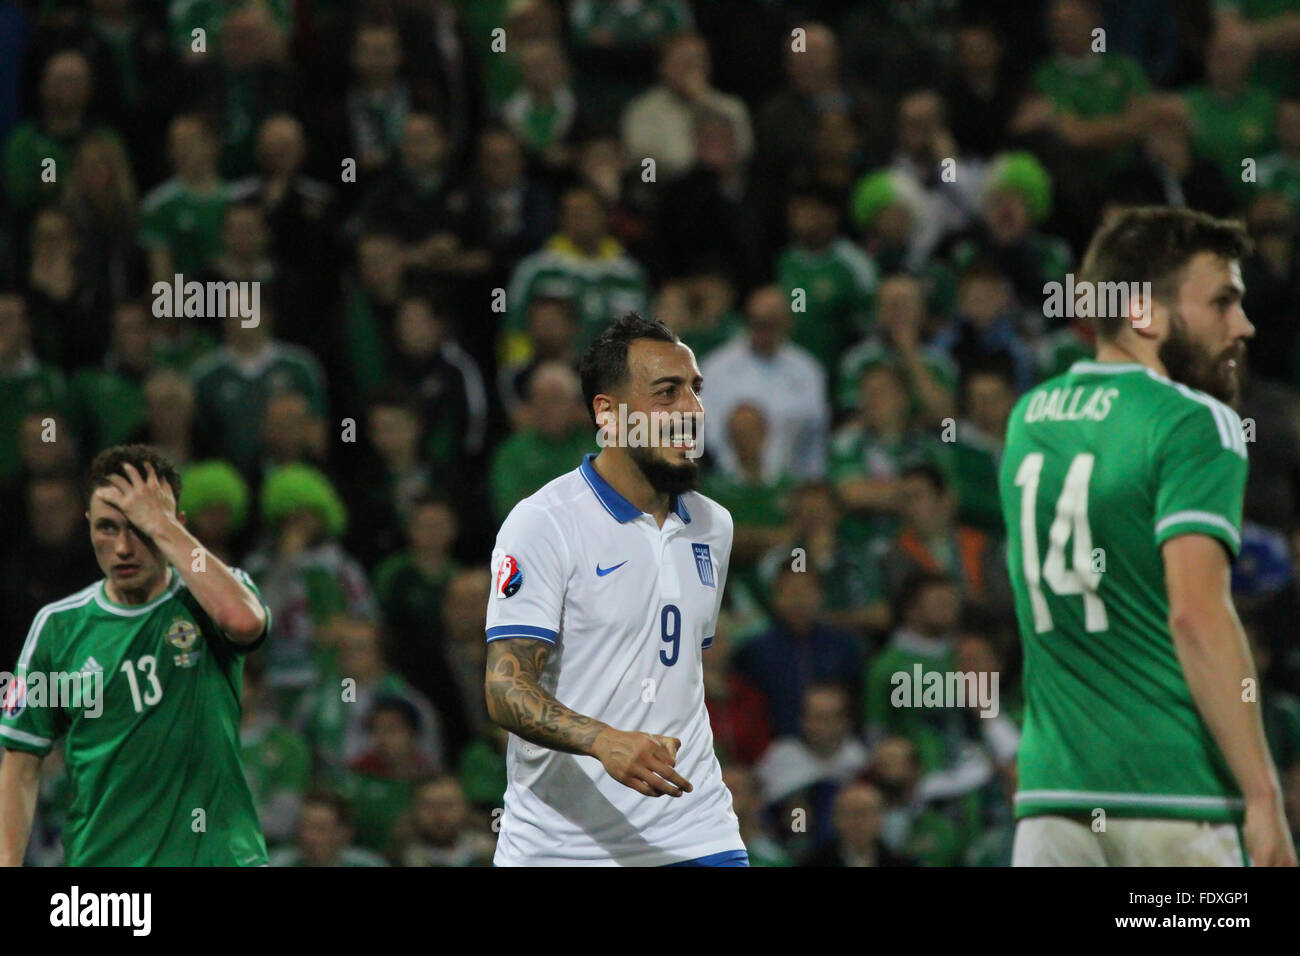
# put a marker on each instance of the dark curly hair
(110, 462)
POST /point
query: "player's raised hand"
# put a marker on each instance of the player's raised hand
(1268, 840)
(643, 762)
(144, 500)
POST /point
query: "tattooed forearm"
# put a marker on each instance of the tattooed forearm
(517, 702)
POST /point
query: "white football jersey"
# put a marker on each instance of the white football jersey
(629, 607)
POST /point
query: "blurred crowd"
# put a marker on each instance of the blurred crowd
(848, 210)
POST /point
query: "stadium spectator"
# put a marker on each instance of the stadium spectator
(334, 716)
(544, 113)
(798, 650)
(581, 262)
(214, 499)
(428, 205)
(552, 336)
(805, 771)
(1168, 172)
(306, 578)
(1232, 118)
(410, 586)
(870, 451)
(233, 385)
(169, 422)
(855, 598)
(110, 396)
(931, 539)
(911, 828)
(101, 198)
(181, 219)
(51, 138)
(442, 830)
(661, 122)
(747, 804)
(737, 711)
(981, 94)
(520, 209)
(378, 100)
(829, 280)
(745, 486)
(26, 382)
(902, 320)
(323, 836)
(984, 326)
(277, 759)
(554, 433)
(381, 782)
(46, 560)
(1279, 171)
(859, 821)
(787, 384)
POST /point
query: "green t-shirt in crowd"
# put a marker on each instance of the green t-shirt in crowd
(186, 222)
(1096, 86)
(527, 460)
(32, 386)
(835, 287)
(1228, 131)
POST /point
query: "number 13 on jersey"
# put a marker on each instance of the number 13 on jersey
(1070, 522)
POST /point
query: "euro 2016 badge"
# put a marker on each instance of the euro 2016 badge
(704, 564)
(510, 577)
(184, 635)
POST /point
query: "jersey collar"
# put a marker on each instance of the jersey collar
(134, 610)
(619, 508)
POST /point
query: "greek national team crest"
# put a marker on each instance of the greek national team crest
(183, 635)
(704, 564)
(509, 578)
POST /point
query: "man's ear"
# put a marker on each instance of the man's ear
(1145, 315)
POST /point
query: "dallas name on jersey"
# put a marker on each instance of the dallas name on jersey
(629, 608)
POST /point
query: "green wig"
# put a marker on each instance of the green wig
(1022, 173)
(291, 488)
(210, 484)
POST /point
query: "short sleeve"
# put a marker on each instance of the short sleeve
(247, 581)
(724, 563)
(1201, 470)
(529, 577)
(27, 723)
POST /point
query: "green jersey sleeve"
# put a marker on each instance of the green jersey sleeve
(266, 609)
(1201, 472)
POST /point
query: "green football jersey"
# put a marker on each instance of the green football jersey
(1103, 465)
(149, 706)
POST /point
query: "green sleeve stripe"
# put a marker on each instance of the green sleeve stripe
(83, 596)
(1201, 518)
(22, 737)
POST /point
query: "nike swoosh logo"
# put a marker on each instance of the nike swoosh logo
(601, 572)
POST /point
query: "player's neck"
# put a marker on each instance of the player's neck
(626, 478)
(136, 596)
(1122, 353)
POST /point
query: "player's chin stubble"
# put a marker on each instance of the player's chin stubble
(665, 478)
(1193, 365)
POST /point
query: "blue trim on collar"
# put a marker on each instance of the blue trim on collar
(619, 508)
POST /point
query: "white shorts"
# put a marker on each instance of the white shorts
(1061, 841)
